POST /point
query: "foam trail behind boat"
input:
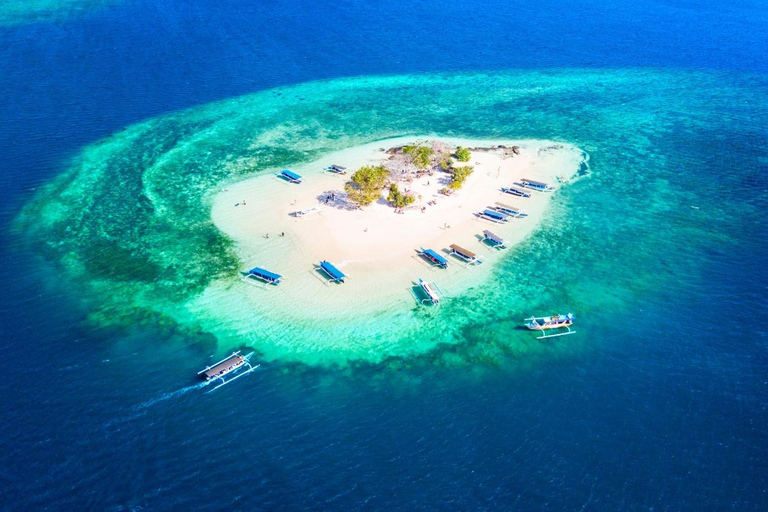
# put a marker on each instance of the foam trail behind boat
(167, 396)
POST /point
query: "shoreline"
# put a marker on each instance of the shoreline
(375, 246)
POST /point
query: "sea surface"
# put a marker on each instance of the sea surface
(118, 118)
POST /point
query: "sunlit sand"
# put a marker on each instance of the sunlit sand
(375, 246)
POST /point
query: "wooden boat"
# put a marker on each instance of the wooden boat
(291, 176)
(515, 192)
(465, 254)
(264, 275)
(495, 240)
(336, 169)
(308, 211)
(336, 275)
(553, 323)
(512, 211)
(536, 185)
(227, 366)
(434, 257)
(432, 291)
(493, 216)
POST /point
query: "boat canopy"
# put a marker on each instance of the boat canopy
(515, 191)
(494, 238)
(336, 274)
(507, 208)
(265, 275)
(223, 367)
(537, 185)
(434, 257)
(466, 254)
(496, 216)
(291, 176)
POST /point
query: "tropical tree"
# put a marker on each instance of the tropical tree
(397, 198)
(366, 184)
(460, 175)
(463, 154)
(422, 155)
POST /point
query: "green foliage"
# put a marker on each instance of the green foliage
(366, 184)
(422, 155)
(463, 154)
(397, 198)
(446, 163)
(460, 175)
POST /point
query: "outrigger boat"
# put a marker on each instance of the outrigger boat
(546, 323)
(434, 257)
(493, 216)
(536, 185)
(495, 240)
(512, 211)
(336, 169)
(515, 192)
(308, 211)
(264, 275)
(468, 256)
(228, 365)
(336, 275)
(433, 292)
(291, 176)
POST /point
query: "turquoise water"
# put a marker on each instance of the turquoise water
(107, 118)
(129, 222)
(13, 12)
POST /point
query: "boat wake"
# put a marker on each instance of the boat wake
(167, 396)
(140, 410)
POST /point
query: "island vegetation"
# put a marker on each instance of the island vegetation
(421, 155)
(405, 164)
(366, 184)
(463, 154)
(399, 199)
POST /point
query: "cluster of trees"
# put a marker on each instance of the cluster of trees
(422, 155)
(459, 176)
(463, 154)
(366, 184)
(397, 198)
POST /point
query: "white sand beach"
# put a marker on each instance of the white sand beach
(374, 246)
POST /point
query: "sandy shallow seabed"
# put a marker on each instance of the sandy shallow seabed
(376, 247)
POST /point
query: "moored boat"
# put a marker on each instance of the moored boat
(432, 292)
(435, 258)
(495, 240)
(336, 169)
(536, 185)
(554, 322)
(290, 176)
(515, 192)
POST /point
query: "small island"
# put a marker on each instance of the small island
(372, 209)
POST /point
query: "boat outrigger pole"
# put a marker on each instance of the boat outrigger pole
(554, 323)
(229, 365)
(227, 381)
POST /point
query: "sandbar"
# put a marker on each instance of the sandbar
(374, 246)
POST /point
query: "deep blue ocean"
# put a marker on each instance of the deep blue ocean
(661, 409)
